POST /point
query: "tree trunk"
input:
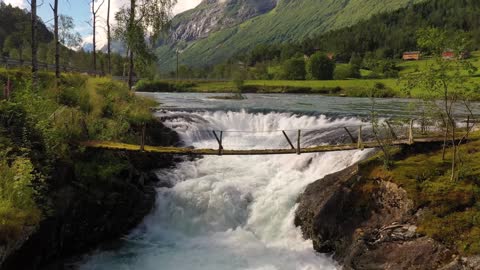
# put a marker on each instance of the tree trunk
(34, 22)
(109, 39)
(57, 41)
(130, 71)
(94, 21)
(132, 28)
(454, 154)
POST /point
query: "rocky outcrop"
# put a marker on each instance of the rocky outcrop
(86, 212)
(369, 225)
(214, 15)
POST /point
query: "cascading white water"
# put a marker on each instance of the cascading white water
(231, 212)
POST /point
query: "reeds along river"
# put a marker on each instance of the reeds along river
(231, 212)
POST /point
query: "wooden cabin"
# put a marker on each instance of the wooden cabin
(408, 56)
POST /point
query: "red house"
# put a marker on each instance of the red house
(448, 55)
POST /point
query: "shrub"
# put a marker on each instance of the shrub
(293, 69)
(346, 72)
(320, 67)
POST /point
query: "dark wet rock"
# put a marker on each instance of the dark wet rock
(370, 225)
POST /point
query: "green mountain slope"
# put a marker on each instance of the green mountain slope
(291, 20)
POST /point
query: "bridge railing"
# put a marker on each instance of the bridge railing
(299, 140)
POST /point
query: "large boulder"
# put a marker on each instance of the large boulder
(368, 224)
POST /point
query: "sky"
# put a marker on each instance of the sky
(79, 10)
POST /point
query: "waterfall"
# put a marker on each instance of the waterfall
(233, 212)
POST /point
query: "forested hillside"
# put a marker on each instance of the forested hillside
(289, 21)
(15, 42)
(373, 45)
(391, 34)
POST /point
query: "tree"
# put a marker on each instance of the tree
(109, 40)
(320, 67)
(67, 36)
(94, 31)
(34, 22)
(444, 80)
(56, 39)
(294, 69)
(144, 21)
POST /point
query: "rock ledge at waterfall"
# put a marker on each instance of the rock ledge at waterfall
(370, 225)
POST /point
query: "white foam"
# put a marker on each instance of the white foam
(232, 212)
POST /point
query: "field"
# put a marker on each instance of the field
(350, 87)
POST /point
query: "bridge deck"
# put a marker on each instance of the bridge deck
(190, 151)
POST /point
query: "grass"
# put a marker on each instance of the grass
(349, 87)
(451, 208)
(39, 128)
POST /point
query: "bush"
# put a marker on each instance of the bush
(320, 67)
(163, 86)
(293, 69)
(17, 204)
(344, 72)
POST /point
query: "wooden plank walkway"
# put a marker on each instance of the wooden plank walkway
(251, 152)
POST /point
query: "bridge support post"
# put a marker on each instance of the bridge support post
(360, 140)
(468, 127)
(350, 135)
(392, 133)
(219, 140)
(410, 133)
(298, 142)
(142, 145)
(288, 139)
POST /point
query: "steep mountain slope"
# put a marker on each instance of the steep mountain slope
(214, 15)
(290, 20)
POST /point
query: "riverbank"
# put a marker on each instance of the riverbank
(385, 88)
(58, 199)
(410, 217)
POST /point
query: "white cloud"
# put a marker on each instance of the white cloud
(16, 3)
(183, 5)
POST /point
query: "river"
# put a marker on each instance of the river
(237, 212)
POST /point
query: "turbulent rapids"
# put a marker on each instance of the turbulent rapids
(232, 212)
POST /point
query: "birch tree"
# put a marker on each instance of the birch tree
(144, 20)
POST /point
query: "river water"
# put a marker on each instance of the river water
(237, 212)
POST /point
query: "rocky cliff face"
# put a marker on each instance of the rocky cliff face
(370, 225)
(214, 15)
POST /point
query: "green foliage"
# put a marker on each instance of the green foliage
(17, 205)
(288, 22)
(293, 69)
(163, 86)
(320, 67)
(451, 210)
(343, 72)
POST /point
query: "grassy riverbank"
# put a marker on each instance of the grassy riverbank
(389, 87)
(448, 211)
(39, 129)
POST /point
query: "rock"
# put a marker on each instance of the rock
(367, 225)
(214, 15)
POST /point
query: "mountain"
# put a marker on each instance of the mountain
(14, 20)
(216, 34)
(213, 15)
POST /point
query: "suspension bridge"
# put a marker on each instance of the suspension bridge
(408, 135)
